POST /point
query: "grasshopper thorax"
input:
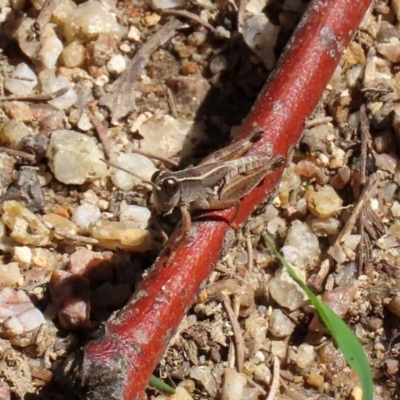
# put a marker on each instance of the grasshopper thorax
(166, 191)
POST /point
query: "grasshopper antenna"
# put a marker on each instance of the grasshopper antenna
(111, 164)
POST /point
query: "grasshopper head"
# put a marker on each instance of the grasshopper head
(166, 191)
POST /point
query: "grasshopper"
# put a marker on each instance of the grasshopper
(218, 182)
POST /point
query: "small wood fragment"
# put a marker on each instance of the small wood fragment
(366, 194)
(275, 379)
(36, 97)
(237, 332)
(191, 16)
(18, 153)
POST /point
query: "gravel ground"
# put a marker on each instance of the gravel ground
(92, 80)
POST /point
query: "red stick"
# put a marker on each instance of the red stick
(119, 364)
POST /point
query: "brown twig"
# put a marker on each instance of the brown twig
(189, 15)
(18, 153)
(366, 194)
(36, 97)
(172, 103)
(365, 143)
(249, 246)
(102, 133)
(275, 379)
(237, 332)
(119, 363)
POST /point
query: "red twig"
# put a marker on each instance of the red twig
(118, 365)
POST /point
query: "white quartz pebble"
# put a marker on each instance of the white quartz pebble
(135, 163)
(140, 216)
(74, 157)
(86, 214)
(23, 86)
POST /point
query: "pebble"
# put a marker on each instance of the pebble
(114, 235)
(85, 214)
(139, 121)
(9, 274)
(285, 291)
(325, 203)
(323, 228)
(279, 348)
(189, 93)
(22, 255)
(341, 178)
(310, 170)
(395, 209)
(356, 393)
(63, 8)
(135, 163)
(197, 38)
(261, 35)
(151, 20)
(71, 296)
(116, 64)
(389, 191)
(280, 324)
(44, 258)
(383, 141)
(84, 123)
(301, 245)
(80, 153)
(262, 374)
(337, 253)
(391, 51)
(26, 228)
(315, 380)
(83, 261)
(164, 4)
(187, 384)
(305, 355)
(218, 64)
(61, 223)
(139, 216)
(169, 136)
(12, 132)
(387, 162)
(18, 110)
(134, 33)
(74, 55)
(23, 86)
(234, 383)
(256, 326)
(64, 101)
(88, 20)
(255, 6)
(50, 48)
(18, 315)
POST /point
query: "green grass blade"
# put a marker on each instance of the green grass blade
(342, 334)
(160, 385)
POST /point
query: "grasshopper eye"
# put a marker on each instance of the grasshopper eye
(170, 185)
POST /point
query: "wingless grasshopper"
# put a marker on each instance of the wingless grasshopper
(218, 182)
